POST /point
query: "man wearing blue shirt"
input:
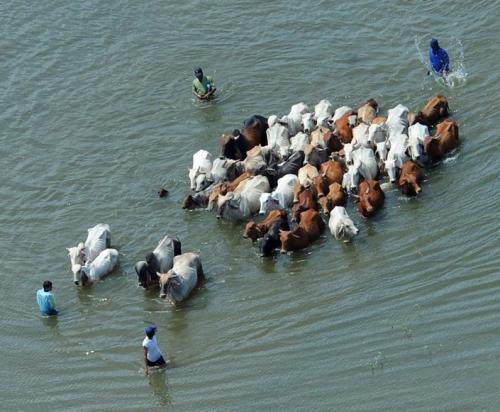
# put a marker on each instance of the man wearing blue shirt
(438, 58)
(45, 299)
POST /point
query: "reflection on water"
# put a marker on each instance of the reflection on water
(159, 386)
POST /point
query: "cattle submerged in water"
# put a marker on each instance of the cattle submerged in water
(252, 134)
(309, 229)
(98, 240)
(444, 140)
(341, 225)
(255, 230)
(159, 260)
(178, 283)
(371, 197)
(410, 178)
(102, 265)
(436, 109)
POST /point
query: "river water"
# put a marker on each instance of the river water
(97, 114)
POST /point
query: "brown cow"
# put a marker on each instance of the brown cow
(335, 197)
(256, 230)
(343, 128)
(254, 131)
(435, 110)
(224, 188)
(410, 178)
(309, 229)
(371, 197)
(307, 201)
(333, 171)
(445, 139)
(320, 186)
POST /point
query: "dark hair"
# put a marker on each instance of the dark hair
(150, 335)
(47, 285)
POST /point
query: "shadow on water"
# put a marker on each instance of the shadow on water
(159, 387)
(51, 322)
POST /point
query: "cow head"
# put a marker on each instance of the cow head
(267, 203)
(77, 259)
(232, 146)
(252, 231)
(169, 284)
(409, 185)
(267, 244)
(308, 122)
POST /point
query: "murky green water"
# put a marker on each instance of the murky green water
(96, 114)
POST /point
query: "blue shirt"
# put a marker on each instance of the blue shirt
(46, 302)
(439, 61)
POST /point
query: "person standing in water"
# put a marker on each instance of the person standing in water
(45, 300)
(203, 86)
(438, 59)
(152, 354)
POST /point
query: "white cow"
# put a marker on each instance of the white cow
(340, 112)
(396, 156)
(298, 142)
(323, 111)
(178, 283)
(284, 190)
(202, 164)
(360, 136)
(377, 133)
(350, 179)
(308, 123)
(267, 203)
(416, 136)
(222, 169)
(237, 206)
(365, 163)
(100, 267)
(341, 225)
(160, 260)
(294, 118)
(278, 139)
(397, 120)
(98, 239)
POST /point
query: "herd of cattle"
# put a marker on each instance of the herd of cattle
(309, 162)
(312, 162)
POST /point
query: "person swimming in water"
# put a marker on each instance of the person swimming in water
(439, 61)
(203, 86)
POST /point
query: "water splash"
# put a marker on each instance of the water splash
(458, 74)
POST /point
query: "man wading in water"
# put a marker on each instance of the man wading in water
(203, 86)
(438, 59)
(152, 354)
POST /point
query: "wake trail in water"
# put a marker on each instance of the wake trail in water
(458, 75)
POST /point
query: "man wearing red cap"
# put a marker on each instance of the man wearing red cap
(152, 354)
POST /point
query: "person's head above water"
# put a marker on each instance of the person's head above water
(47, 286)
(198, 73)
(150, 331)
(434, 44)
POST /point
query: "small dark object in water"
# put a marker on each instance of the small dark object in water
(163, 192)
